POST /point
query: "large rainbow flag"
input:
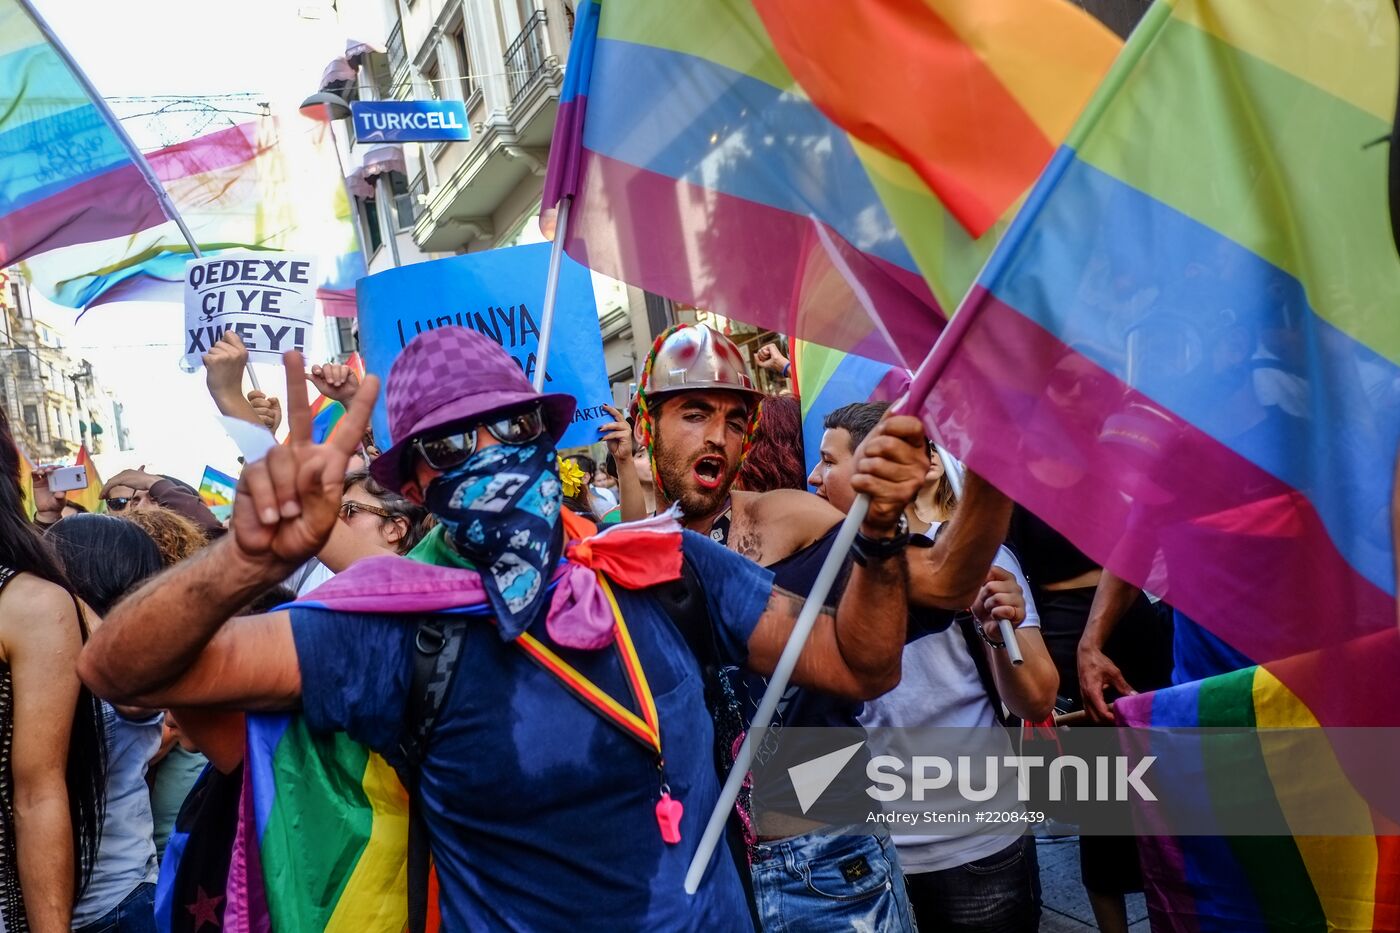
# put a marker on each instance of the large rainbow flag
(1184, 353)
(736, 156)
(271, 183)
(65, 176)
(1197, 884)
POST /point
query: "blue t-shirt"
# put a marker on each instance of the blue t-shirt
(541, 814)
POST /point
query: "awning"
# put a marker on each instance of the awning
(375, 162)
(356, 49)
(337, 74)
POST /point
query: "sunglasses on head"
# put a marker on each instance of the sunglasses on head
(449, 449)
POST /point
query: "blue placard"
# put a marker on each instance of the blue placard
(409, 121)
(499, 293)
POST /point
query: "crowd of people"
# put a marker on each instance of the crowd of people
(557, 655)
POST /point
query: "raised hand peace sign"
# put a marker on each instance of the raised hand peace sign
(287, 502)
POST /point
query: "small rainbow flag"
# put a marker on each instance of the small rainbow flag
(65, 176)
(839, 177)
(26, 482)
(1205, 883)
(91, 497)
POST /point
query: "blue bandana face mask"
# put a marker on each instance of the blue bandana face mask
(501, 510)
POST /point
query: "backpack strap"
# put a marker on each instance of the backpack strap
(437, 645)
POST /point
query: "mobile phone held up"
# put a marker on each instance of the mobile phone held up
(68, 479)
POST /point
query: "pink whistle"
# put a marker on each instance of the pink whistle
(668, 817)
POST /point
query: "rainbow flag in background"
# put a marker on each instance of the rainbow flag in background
(828, 379)
(26, 483)
(326, 413)
(272, 183)
(696, 143)
(1184, 354)
(91, 497)
(65, 177)
(1203, 883)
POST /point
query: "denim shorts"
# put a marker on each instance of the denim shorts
(135, 914)
(824, 882)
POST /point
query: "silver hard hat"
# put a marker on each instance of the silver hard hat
(698, 358)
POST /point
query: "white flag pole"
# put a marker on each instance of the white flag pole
(777, 685)
(551, 291)
(167, 206)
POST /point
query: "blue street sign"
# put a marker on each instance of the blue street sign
(409, 121)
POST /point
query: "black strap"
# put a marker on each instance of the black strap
(437, 646)
(968, 626)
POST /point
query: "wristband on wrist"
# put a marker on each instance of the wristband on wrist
(787, 367)
(982, 630)
(866, 549)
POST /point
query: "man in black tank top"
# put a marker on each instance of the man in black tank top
(698, 416)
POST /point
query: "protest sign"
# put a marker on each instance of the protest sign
(267, 298)
(498, 293)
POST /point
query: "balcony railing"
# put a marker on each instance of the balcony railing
(525, 57)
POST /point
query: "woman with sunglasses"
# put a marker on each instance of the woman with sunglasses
(137, 489)
(373, 521)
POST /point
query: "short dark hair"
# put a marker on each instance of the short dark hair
(857, 419)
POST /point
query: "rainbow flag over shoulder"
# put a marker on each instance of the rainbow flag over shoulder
(272, 183)
(839, 177)
(1177, 356)
(65, 176)
(323, 844)
(1204, 883)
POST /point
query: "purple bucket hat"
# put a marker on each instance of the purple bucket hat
(452, 374)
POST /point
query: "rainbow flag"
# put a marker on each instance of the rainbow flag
(1204, 883)
(708, 150)
(826, 379)
(301, 786)
(26, 482)
(91, 497)
(65, 176)
(326, 413)
(272, 183)
(1178, 355)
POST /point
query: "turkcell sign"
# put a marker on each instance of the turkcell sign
(409, 121)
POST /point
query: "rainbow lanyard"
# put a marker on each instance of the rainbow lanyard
(644, 729)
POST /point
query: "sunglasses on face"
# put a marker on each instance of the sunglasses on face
(445, 451)
(118, 503)
(348, 510)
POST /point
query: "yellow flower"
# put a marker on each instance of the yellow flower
(570, 477)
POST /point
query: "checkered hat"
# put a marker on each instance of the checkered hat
(449, 375)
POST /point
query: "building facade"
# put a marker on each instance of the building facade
(54, 402)
(504, 59)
